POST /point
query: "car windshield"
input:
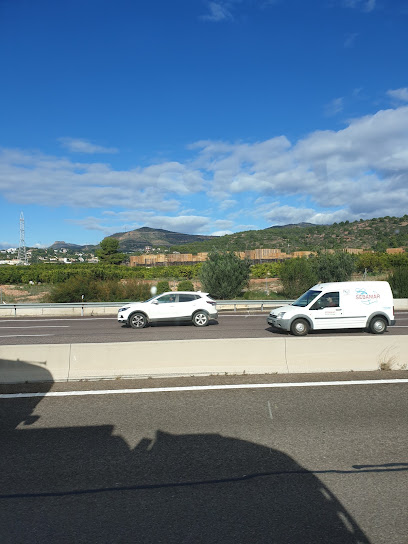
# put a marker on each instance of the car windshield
(306, 298)
(149, 299)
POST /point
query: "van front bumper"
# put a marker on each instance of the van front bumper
(283, 324)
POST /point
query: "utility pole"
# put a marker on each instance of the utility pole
(22, 252)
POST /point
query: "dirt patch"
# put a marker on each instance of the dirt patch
(10, 294)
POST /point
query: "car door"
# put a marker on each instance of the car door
(326, 311)
(163, 307)
(186, 305)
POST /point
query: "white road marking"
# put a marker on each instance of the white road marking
(197, 388)
(270, 410)
(37, 327)
(17, 335)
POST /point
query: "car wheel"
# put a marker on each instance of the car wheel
(137, 321)
(200, 319)
(378, 325)
(300, 327)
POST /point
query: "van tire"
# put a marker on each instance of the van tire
(300, 327)
(378, 325)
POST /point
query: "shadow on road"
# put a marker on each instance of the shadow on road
(83, 484)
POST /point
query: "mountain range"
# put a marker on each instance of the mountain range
(376, 234)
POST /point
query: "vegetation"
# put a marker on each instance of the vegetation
(185, 285)
(398, 281)
(163, 287)
(297, 276)
(224, 275)
(333, 266)
(108, 252)
(57, 273)
(78, 289)
(373, 234)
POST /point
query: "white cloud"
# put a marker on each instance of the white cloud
(33, 178)
(360, 171)
(398, 95)
(334, 107)
(84, 146)
(363, 5)
(218, 11)
(350, 40)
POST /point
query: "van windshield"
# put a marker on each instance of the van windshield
(306, 298)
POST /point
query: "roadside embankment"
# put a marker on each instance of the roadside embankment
(29, 363)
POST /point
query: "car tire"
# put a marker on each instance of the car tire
(378, 325)
(200, 319)
(300, 327)
(137, 320)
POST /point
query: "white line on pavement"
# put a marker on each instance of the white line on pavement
(37, 327)
(16, 335)
(196, 388)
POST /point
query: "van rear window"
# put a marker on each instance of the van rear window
(306, 298)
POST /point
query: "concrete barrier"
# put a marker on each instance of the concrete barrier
(39, 363)
(284, 355)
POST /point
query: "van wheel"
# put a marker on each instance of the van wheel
(300, 327)
(378, 325)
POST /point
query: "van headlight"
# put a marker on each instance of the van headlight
(280, 315)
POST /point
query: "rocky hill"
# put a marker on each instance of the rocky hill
(376, 234)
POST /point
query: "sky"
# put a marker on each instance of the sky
(199, 116)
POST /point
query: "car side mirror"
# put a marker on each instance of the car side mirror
(154, 302)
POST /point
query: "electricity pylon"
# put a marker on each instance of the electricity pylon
(22, 252)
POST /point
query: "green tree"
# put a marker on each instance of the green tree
(224, 275)
(108, 252)
(398, 281)
(163, 287)
(185, 285)
(334, 266)
(297, 276)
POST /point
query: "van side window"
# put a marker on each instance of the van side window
(328, 300)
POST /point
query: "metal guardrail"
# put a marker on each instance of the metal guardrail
(84, 305)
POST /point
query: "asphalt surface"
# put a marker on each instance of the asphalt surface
(307, 465)
(58, 330)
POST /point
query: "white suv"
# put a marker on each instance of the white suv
(173, 306)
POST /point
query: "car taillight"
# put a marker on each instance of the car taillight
(212, 302)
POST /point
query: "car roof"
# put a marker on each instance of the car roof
(183, 293)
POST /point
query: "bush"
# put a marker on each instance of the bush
(163, 287)
(398, 280)
(73, 289)
(333, 266)
(136, 290)
(185, 285)
(224, 275)
(297, 276)
(99, 291)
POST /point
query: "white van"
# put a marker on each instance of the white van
(339, 305)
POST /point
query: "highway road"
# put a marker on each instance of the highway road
(138, 462)
(58, 330)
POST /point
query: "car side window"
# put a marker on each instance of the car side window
(328, 300)
(187, 298)
(166, 299)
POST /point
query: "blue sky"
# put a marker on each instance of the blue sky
(198, 116)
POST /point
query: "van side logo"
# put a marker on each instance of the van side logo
(367, 298)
